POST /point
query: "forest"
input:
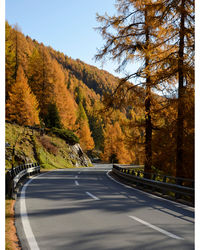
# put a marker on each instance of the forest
(147, 117)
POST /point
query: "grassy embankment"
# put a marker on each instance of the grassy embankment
(49, 150)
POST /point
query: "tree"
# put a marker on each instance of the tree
(62, 97)
(83, 131)
(114, 147)
(9, 60)
(22, 106)
(160, 34)
(176, 61)
(40, 74)
(86, 140)
(52, 118)
(134, 37)
(96, 127)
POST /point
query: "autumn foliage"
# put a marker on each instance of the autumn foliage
(147, 121)
(22, 106)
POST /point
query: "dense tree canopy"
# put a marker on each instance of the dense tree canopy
(128, 122)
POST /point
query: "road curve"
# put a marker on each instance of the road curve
(84, 209)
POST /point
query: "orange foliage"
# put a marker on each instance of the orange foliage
(114, 144)
(86, 140)
(22, 106)
(63, 98)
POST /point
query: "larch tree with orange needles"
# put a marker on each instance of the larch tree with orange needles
(22, 106)
(114, 147)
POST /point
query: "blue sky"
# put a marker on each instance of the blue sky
(65, 25)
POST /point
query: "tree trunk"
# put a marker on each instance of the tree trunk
(148, 124)
(180, 119)
(148, 133)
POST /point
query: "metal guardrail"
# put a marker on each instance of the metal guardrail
(14, 175)
(179, 187)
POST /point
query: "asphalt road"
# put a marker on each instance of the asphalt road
(84, 209)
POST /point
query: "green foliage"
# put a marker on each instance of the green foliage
(97, 131)
(52, 119)
(79, 95)
(65, 134)
(81, 113)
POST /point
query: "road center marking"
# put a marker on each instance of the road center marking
(25, 221)
(93, 196)
(156, 228)
(76, 182)
(76, 177)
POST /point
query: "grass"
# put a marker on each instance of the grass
(50, 151)
(11, 240)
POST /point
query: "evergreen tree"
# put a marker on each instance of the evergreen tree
(96, 127)
(52, 118)
(41, 78)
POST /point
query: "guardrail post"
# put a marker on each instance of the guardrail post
(178, 182)
(154, 177)
(9, 184)
(163, 183)
(14, 175)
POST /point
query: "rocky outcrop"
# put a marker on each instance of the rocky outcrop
(79, 157)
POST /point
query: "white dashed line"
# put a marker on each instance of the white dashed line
(156, 228)
(76, 182)
(93, 196)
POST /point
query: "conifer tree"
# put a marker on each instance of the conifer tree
(22, 106)
(41, 78)
(86, 140)
(114, 147)
(62, 97)
(83, 131)
(176, 61)
(52, 119)
(160, 34)
(134, 37)
(9, 60)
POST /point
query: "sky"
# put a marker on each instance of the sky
(65, 25)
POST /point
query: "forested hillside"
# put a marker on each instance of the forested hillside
(46, 88)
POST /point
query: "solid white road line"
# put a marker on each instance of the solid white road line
(156, 228)
(152, 195)
(76, 182)
(25, 221)
(93, 196)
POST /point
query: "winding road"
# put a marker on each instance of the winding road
(85, 209)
